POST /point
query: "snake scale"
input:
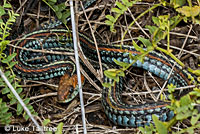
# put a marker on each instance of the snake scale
(34, 65)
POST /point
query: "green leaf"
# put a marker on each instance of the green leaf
(183, 115)
(13, 100)
(195, 117)
(7, 5)
(59, 128)
(108, 85)
(54, 1)
(122, 74)
(9, 58)
(113, 74)
(55, 7)
(189, 11)
(2, 11)
(7, 116)
(122, 64)
(26, 117)
(160, 126)
(65, 15)
(185, 100)
(59, 15)
(19, 109)
(4, 110)
(111, 18)
(116, 10)
(147, 129)
(46, 122)
(146, 42)
(109, 23)
(171, 88)
(152, 29)
(61, 7)
(5, 90)
(138, 48)
(121, 6)
(19, 90)
(177, 3)
(7, 73)
(12, 64)
(197, 72)
(27, 100)
(127, 3)
(156, 20)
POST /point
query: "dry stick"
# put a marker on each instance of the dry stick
(138, 24)
(77, 65)
(192, 53)
(21, 6)
(95, 42)
(148, 89)
(181, 51)
(127, 28)
(86, 75)
(42, 96)
(38, 15)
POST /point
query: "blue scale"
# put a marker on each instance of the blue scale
(114, 119)
(163, 117)
(126, 60)
(141, 111)
(119, 120)
(115, 111)
(132, 121)
(110, 116)
(125, 54)
(162, 74)
(109, 59)
(146, 65)
(171, 114)
(120, 112)
(45, 45)
(150, 110)
(134, 112)
(138, 63)
(149, 118)
(159, 63)
(125, 120)
(157, 109)
(127, 112)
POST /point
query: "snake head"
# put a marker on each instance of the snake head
(68, 88)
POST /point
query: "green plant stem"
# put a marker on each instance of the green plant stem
(168, 36)
(190, 3)
(49, 5)
(171, 55)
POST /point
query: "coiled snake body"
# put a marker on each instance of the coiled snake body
(32, 66)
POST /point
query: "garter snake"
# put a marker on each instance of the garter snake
(39, 65)
(53, 65)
